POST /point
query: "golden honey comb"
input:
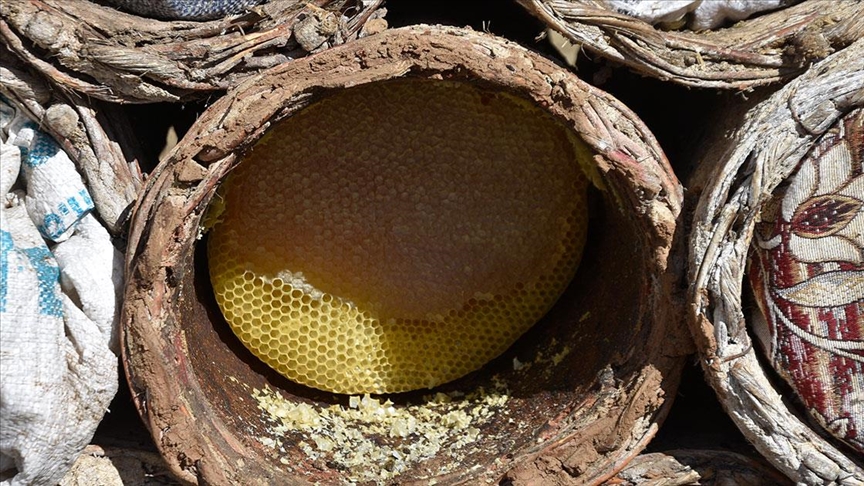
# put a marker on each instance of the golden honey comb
(398, 235)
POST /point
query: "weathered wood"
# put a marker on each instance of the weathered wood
(113, 56)
(742, 173)
(705, 467)
(587, 425)
(763, 50)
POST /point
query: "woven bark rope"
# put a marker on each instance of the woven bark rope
(763, 50)
(775, 138)
(110, 55)
(572, 404)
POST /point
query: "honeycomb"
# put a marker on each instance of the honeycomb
(398, 235)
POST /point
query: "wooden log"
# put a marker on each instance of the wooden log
(114, 56)
(706, 467)
(763, 50)
(572, 401)
(741, 174)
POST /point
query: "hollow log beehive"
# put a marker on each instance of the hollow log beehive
(767, 49)
(766, 279)
(588, 383)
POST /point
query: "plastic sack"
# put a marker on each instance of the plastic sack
(58, 308)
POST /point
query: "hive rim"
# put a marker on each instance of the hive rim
(740, 169)
(640, 185)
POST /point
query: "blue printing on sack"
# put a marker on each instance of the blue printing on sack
(6, 246)
(52, 226)
(47, 274)
(41, 150)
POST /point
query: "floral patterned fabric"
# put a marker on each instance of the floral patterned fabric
(807, 272)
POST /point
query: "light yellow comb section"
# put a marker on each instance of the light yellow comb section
(398, 235)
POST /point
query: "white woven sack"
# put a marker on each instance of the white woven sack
(59, 275)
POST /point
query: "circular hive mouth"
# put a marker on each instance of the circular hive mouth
(586, 383)
(397, 235)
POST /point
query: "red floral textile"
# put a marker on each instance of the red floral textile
(807, 272)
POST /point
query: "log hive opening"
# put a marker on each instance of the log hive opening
(398, 235)
(430, 179)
